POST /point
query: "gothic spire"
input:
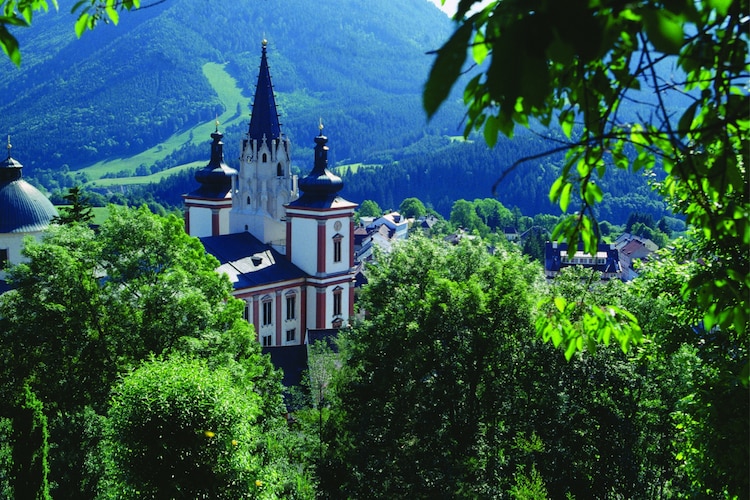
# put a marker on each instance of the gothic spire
(264, 121)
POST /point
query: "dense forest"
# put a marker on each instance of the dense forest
(441, 391)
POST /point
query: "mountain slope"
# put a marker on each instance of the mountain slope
(360, 65)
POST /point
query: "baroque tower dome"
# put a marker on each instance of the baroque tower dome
(23, 208)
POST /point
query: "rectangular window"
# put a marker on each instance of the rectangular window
(337, 303)
(291, 306)
(267, 313)
(291, 335)
(246, 312)
(337, 250)
(267, 341)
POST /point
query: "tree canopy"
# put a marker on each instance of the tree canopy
(665, 80)
(89, 307)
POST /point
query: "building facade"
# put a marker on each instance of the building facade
(287, 244)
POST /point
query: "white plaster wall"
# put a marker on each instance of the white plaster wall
(200, 222)
(304, 241)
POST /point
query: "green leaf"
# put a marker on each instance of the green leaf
(686, 120)
(560, 303)
(479, 49)
(446, 69)
(82, 24)
(112, 11)
(566, 122)
(664, 30)
(721, 6)
(490, 130)
(10, 45)
(565, 196)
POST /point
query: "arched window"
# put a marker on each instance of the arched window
(267, 310)
(265, 157)
(337, 247)
(291, 305)
(337, 293)
(279, 170)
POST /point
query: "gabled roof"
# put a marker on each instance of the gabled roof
(248, 262)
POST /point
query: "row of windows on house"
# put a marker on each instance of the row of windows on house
(291, 312)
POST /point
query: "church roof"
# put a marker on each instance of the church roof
(23, 208)
(264, 121)
(320, 186)
(248, 262)
(216, 177)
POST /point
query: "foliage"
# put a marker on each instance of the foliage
(412, 207)
(422, 376)
(89, 306)
(369, 208)
(30, 448)
(178, 428)
(712, 416)
(444, 391)
(581, 64)
(79, 211)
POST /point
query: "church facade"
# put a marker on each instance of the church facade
(287, 244)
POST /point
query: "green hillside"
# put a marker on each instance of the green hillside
(129, 96)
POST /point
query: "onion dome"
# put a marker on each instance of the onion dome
(320, 186)
(216, 177)
(23, 208)
(264, 121)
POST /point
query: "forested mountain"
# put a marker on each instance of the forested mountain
(360, 65)
(357, 65)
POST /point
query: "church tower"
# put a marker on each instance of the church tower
(265, 182)
(320, 241)
(207, 208)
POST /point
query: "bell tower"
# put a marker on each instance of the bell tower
(320, 235)
(265, 182)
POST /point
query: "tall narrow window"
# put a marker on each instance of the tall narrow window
(337, 248)
(267, 312)
(337, 301)
(291, 306)
(267, 341)
(291, 335)
(246, 312)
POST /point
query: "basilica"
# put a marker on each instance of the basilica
(287, 244)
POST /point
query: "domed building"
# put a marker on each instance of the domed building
(24, 211)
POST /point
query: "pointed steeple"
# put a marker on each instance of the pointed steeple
(264, 121)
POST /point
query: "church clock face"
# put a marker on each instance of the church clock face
(337, 225)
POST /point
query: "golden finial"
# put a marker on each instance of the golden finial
(9, 145)
(217, 122)
(264, 42)
(320, 125)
